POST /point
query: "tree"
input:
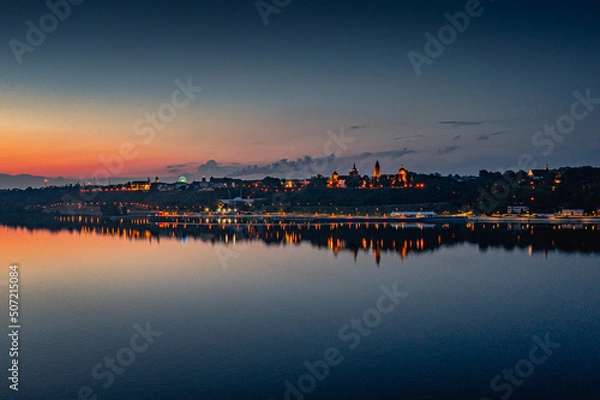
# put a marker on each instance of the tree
(110, 209)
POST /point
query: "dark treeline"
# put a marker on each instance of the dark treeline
(486, 193)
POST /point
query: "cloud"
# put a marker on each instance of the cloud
(209, 164)
(354, 127)
(305, 167)
(456, 138)
(447, 150)
(302, 167)
(178, 165)
(389, 153)
(213, 168)
(183, 168)
(487, 136)
(459, 124)
(408, 137)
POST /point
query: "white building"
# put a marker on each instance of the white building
(517, 209)
(575, 212)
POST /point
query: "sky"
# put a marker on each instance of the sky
(294, 88)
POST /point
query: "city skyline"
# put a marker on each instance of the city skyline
(187, 89)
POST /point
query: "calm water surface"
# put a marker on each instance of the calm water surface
(247, 313)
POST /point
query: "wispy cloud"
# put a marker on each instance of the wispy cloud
(459, 124)
(179, 165)
(489, 135)
(389, 153)
(186, 168)
(447, 150)
(408, 137)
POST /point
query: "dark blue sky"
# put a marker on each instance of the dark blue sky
(273, 92)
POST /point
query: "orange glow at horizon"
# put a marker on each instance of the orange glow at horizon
(68, 135)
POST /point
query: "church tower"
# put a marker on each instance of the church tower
(377, 170)
(402, 174)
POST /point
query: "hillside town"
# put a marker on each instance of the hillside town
(566, 191)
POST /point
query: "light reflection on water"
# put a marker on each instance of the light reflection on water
(476, 296)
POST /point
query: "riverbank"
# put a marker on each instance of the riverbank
(537, 220)
(320, 218)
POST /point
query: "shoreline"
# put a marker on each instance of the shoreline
(378, 219)
(212, 218)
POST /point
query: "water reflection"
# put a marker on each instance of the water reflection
(405, 239)
(242, 332)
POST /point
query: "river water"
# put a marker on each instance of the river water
(329, 311)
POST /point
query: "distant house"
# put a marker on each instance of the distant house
(225, 182)
(202, 185)
(517, 209)
(339, 181)
(571, 212)
(537, 174)
(140, 185)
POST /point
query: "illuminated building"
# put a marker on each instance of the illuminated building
(402, 175)
(517, 209)
(537, 174)
(139, 185)
(400, 180)
(338, 181)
